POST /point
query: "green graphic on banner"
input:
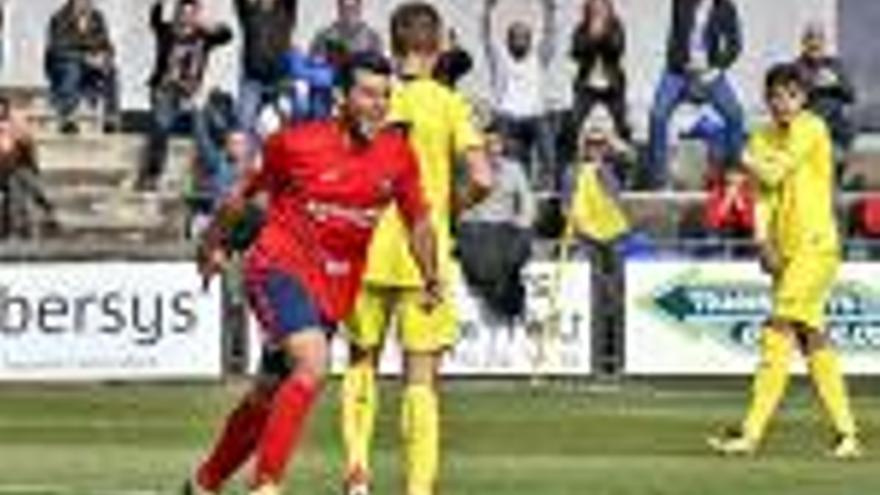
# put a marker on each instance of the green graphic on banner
(733, 311)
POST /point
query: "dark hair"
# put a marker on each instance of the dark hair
(785, 74)
(402, 25)
(372, 62)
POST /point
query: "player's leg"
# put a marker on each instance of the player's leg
(424, 336)
(805, 300)
(768, 387)
(827, 376)
(307, 349)
(237, 441)
(365, 330)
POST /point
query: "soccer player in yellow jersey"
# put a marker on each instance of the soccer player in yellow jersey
(441, 127)
(790, 160)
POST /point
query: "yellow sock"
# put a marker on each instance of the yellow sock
(358, 415)
(828, 380)
(770, 381)
(420, 424)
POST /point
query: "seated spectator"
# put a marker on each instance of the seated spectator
(19, 180)
(729, 210)
(705, 40)
(183, 47)
(79, 63)
(830, 90)
(494, 237)
(266, 27)
(347, 35)
(597, 47)
(517, 71)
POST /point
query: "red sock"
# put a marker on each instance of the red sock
(238, 440)
(290, 408)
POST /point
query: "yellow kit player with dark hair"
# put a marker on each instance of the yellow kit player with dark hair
(791, 161)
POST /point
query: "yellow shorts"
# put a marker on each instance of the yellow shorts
(419, 331)
(801, 291)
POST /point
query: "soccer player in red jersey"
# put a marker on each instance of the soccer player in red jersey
(327, 183)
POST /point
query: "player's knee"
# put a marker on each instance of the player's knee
(363, 356)
(810, 340)
(422, 368)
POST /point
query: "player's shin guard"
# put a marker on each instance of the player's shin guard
(420, 423)
(358, 415)
(290, 410)
(828, 381)
(238, 440)
(770, 381)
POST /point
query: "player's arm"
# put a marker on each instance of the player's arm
(769, 165)
(469, 144)
(422, 239)
(211, 253)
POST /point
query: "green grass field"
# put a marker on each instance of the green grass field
(501, 439)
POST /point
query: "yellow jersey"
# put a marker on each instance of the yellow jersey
(441, 125)
(794, 170)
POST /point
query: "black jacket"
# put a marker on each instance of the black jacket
(169, 39)
(67, 40)
(266, 37)
(724, 35)
(609, 49)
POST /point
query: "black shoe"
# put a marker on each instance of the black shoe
(69, 127)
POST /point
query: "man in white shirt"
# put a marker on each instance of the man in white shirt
(517, 71)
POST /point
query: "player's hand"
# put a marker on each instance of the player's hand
(211, 260)
(432, 295)
(769, 259)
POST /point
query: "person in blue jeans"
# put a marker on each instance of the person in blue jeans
(79, 63)
(705, 40)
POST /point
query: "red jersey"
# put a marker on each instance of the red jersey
(325, 198)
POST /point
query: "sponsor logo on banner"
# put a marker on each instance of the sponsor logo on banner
(489, 347)
(707, 317)
(93, 321)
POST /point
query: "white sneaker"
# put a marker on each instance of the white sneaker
(357, 483)
(267, 489)
(846, 447)
(732, 443)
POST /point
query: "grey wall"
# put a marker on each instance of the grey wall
(860, 44)
(772, 29)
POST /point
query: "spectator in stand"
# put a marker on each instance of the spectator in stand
(19, 179)
(183, 47)
(267, 27)
(597, 47)
(79, 63)
(517, 72)
(348, 34)
(729, 212)
(830, 90)
(594, 210)
(494, 238)
(705, 40)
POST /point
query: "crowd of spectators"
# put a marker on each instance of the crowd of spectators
(533, 151)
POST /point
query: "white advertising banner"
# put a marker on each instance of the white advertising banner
(107, 321)
(705, 318)
(488, 347)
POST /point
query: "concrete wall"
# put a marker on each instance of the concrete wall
(771, 32)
